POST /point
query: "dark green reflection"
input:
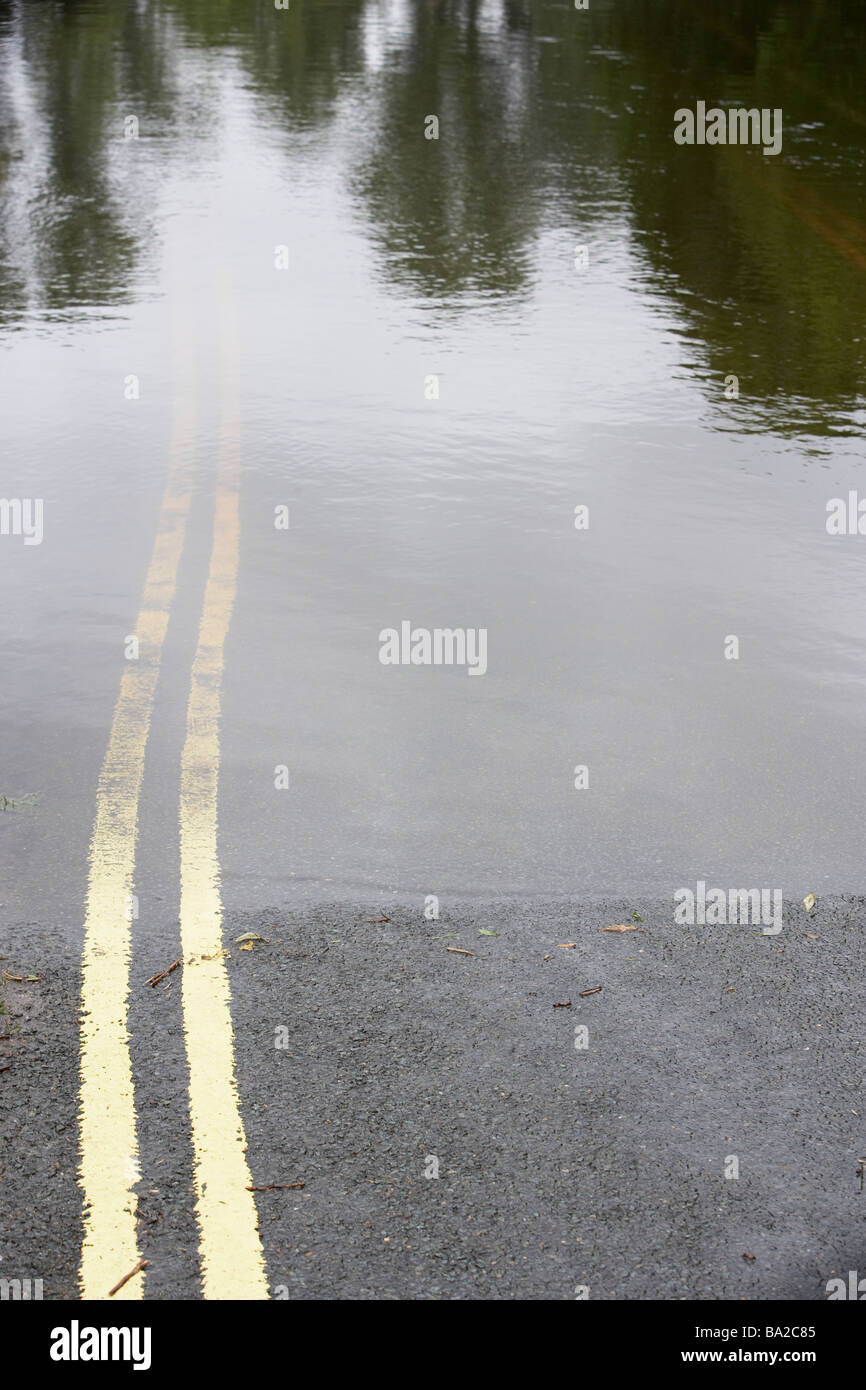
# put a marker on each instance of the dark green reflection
(550, 118)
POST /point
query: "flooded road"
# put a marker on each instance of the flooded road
(416, 267)
(535, 370)
(451, 266)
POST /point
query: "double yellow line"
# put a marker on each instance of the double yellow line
(232, 1264)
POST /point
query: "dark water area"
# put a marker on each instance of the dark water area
(584, 291)
(556, 120)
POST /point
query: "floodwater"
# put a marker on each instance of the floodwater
(187, 184)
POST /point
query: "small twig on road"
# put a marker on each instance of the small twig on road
(142, 1264)
(458, 951)
(276, 1186)
(155, 979)
(596, 990)
(378, 919)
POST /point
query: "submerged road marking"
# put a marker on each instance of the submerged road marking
(108, 1166)
(232, 1261)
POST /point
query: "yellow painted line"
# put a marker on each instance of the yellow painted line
(232, 1263)
(109, 1167)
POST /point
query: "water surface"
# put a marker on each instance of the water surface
(560, 383)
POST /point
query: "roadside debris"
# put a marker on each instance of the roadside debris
(596, 989)
(622, 926)
(809, 901)
(458, 952)
(275, 1186)
(154, 980)
(142, 1264)
(16, 803)
(566, 1005)
(378, 919)
(567, 945)
(748, 1257)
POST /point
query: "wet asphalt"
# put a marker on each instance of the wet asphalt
(371, 1057)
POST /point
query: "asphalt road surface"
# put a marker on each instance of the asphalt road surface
(370, 1057)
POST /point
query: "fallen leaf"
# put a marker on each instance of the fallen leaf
(250, 936)
(809, 901)
(811, 936)
(637, 917)
(482, 931)
(621, 926)
(747, 1257)
(248, 946)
